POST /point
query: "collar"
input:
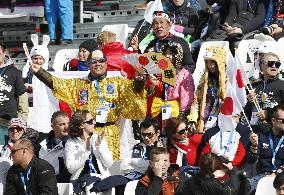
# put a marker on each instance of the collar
(100, 78)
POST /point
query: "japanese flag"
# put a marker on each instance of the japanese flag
(227, 110)
(236, 79)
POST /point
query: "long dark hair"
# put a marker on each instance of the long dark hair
(76, 122)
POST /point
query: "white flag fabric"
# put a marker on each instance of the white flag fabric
(151, 8)
(225, 117)
(236, 79)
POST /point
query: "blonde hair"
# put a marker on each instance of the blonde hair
(106, 37)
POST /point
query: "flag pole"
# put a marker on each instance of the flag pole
(242, 109)
(140, 27)
(255, 101)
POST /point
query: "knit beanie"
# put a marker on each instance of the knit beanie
(90, 45)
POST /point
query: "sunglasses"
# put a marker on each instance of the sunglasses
(271, 63)
(280, 119)
(149, 135)
(13, 129)
(90, 122)
(14, 151)
(100, 61)
(182, 131)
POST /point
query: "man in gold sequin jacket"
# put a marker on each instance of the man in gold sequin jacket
(120, 96)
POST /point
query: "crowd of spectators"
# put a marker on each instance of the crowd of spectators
(186, 153)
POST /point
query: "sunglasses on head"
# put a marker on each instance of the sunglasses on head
(100, 61)
(271, 63)
(90, 122)
(13, 129)
(149, 135)
(182, 131)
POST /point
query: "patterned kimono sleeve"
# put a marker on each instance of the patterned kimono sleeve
(65, 90)
(132, 104)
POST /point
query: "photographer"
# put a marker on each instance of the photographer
(273, 24)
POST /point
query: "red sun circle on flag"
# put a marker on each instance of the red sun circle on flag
(228, 106)
(163, 64)
(143, 60)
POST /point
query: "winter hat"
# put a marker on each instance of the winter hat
(17, 122)
(41, 50)
(90, 45)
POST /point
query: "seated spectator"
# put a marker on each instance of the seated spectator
(215, 177)
(265, 149)
(278, 184)
(273, 23)
(181, 95)
(85, 51)
(161, 177)
(268, 92)
(182, 148)
(52, 148)
(86, 153)
(105, 37)
(161, 26)
(211, 90)
(231, 145)
(135, 165)
(244, 17)
(29, 175)
(13, 89)
(183, 15)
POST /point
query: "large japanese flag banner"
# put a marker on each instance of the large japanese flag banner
(45, 104)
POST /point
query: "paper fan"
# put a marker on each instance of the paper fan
(143, 61)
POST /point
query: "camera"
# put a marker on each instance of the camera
(267, 30)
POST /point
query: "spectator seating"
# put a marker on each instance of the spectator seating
(62, 57)
(65, 188)
(121, 31)
(108, 192)
(265, 186)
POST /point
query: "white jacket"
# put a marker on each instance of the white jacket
(76, 154)
(136, 160)
(51, 155)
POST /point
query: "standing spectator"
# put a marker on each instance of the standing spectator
(11, 90)
(160, 178)
(268, 91)
(29, 175)
(86, 153)
(211, 90)
(85, 52)
(137, 162)
(182, 149)
(112, 97)
(60, 11)
(266, 149)
(52, 148)
(161, 26)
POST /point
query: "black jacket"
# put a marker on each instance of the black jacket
(264, 154)
(187, 61)
(274, 90)
(184, 16)
(236, 184)
(42, 179)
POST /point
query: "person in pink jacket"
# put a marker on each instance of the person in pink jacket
(182, 92)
